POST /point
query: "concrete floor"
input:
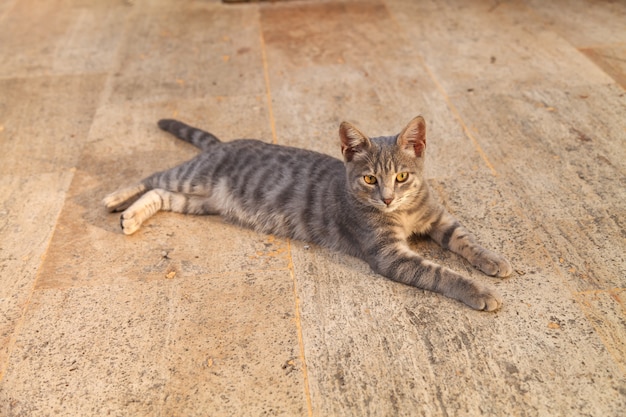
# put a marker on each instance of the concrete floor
(526, 109)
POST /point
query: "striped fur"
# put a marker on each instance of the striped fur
(366, 206)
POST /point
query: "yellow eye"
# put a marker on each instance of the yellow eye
(370, 179)
(403, 176)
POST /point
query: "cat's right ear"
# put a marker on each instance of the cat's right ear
(352, 141)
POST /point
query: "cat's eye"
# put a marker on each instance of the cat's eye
(403, 176)
(370, 179)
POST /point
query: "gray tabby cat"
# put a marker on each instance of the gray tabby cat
(367, 206)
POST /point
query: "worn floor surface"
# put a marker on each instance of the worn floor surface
(526, 109)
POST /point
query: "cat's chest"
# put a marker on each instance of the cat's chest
(409, 224)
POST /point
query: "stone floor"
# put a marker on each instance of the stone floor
(526, 109)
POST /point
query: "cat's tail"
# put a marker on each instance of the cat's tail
(200, 138)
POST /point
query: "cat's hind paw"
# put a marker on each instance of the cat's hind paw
(129, 223)
(121, 199)
(141, 210)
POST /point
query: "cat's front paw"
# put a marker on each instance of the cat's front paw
(486, 299)
(493, 264)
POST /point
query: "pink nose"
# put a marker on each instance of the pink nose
(387, 201)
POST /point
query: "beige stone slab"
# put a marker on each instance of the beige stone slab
(39, 147)
(130, 131)
(124, 146)
(132, 128)
(483, 204)
(377, 85)
(5, 6)
(359, 365)
(308, 112)
(569, 177)
(28, 213)
(606, 310)
(309, 44)
(506, 142)
(612, 60)
(385, 346)
(586, 118)
(374, 347)
(170, 245)
(37, 135)
(579, 21)
(60, 37)
(565, 159)
(188, 347)
(244, 358)
(195, 317)
(481, 46)
(561, 146)
(329, 33)
(349, 354)
(189, 50)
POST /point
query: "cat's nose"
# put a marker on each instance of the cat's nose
(387, 201)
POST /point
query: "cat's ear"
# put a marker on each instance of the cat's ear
(352, 141)
(413, 137)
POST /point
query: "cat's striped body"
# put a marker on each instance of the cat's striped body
(366, 206)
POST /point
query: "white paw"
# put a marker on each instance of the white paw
(121, 199)
(129, 222)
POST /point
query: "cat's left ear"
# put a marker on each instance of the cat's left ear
(413, 138)
(352, 141)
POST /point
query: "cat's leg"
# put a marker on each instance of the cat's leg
(398, 262)
(450, 234)
(122, 198)
(159, 199)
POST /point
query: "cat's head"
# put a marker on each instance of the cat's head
(385, 172)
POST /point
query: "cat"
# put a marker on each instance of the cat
(366, 206)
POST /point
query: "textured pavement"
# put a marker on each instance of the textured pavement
(525, 105)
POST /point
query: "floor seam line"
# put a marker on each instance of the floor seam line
(458, 117)
(268, 90)
(448, 101)
(298, 320)
(576, 296)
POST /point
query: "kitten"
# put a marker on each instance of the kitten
(367, 206)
